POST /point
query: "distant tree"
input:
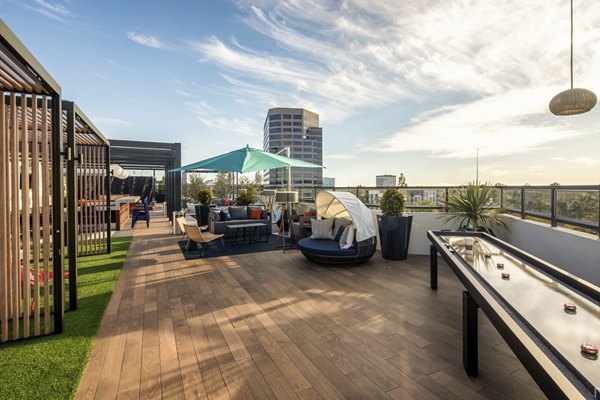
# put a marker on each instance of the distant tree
(258, 178)
(194, 184)
(223, 185)
(402, 180)
(555, 184)
(584, 205)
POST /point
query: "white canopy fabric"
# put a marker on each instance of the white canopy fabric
(348, 206)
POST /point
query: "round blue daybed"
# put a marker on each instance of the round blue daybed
(342, 206)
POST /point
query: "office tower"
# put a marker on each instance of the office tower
(299, 130)
(385, 180)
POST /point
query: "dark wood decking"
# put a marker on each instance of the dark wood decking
(273, 325)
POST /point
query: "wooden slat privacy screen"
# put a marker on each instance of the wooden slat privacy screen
(26, 276)
(92, 200)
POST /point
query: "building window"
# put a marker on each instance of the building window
(274, 117)
(297, 116)
(287, 116)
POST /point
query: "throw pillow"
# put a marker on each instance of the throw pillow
(227, 202)
(322, 228)
(255, 213)
(225, 216)
(338, 227)
(347, 238)
(238, 212)
(264, 214)
(216, 215)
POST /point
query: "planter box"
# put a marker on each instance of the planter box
(394, 233)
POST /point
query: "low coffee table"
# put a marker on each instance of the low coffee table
(251, 232)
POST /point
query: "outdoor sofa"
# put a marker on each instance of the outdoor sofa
(217, 222)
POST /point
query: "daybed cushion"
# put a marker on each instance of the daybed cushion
(325, 247)
(338, 227)
(321, 228)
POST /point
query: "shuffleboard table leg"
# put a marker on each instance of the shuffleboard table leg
(470, 335)
(433, 267)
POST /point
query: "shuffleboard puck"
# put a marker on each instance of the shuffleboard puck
(589, 348)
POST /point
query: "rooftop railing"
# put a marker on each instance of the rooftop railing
(571, 206)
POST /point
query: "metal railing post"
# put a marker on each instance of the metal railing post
(522, 202)
(553, 222)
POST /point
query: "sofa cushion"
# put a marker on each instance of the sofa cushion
(322, 228)
(264, 214)
(226, 202)
(225, 216)
(325, 247)
(255, 213)
(216, 213)
(238, 212)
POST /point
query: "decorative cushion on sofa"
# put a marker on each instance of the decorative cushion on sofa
(255, 213)
(226, 202)
(238, 212)
(264, 214)
(225, 216)
(347, 238)
(216, 213)
(322, 228)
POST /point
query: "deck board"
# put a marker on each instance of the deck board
(274, 326)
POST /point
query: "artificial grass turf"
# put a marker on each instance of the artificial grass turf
(50, 367)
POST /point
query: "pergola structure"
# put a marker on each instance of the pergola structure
(154, 156)
(31, 194)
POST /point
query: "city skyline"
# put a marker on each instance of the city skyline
(400, 87)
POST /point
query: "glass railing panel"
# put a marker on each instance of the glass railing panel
(537, 201)
(511, 199)
(577, 205)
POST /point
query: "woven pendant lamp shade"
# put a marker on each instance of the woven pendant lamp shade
(572, 101)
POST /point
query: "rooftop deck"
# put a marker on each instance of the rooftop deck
(273, 325)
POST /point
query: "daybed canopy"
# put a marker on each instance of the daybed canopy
(348, 206)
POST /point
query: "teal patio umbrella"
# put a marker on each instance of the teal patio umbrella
(244, 160)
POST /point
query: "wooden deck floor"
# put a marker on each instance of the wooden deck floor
(274, 326)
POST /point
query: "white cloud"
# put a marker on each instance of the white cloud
(509, 123)
(355, 56)
(181, 92)
(146, 40)
(341, 156)
(585, 161)
(54, 11)
(207, 115)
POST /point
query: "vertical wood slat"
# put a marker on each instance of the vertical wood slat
(86, 197)
(35, 198)
(26, 244)
(4, 222)
(15, 243)
(46, 211)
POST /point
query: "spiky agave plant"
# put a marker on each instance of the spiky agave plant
(471, 205)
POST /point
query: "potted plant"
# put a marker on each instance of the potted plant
(205, 197)
(245, 198)
(471, 207)
(394, 227)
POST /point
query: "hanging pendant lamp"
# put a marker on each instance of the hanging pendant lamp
(572, 101)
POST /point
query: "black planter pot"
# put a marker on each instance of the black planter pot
(202, 214)
(394, 233)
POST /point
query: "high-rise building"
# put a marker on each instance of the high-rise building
(328, 182)
(299, 130)
(385, 180)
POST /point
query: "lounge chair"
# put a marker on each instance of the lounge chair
(195, 235)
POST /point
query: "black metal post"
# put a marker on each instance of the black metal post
(71, 203)
(553, 207)
(446, 194)
(470, 335)
(522, 202)
(57, 213)
(433, 264)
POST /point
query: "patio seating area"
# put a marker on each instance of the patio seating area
(274, 325)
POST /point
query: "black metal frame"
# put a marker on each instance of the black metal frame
(551, 375)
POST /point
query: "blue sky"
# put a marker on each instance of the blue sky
(400, 86)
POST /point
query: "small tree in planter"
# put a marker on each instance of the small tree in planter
(472, 206)
(394, 228)
(205, 197)
(245, 198)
